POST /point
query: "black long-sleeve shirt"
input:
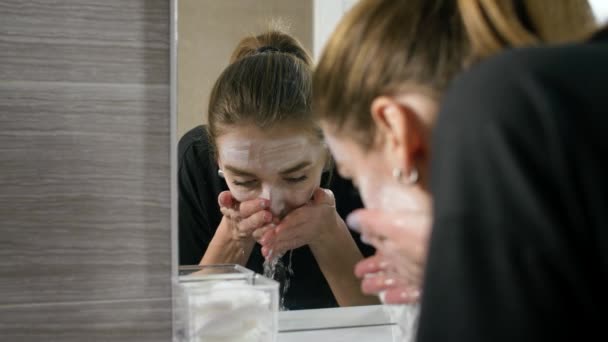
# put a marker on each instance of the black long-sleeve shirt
(199, 216)
(519, 248)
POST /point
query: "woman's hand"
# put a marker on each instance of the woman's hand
(379, 278)
(303, 226)
(401, 241)
(248, 219)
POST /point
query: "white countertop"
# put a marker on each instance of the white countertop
(362, 334)
(360, 323)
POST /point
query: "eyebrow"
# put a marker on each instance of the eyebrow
(238, 171)
(295, 168)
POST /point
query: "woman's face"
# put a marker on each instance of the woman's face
(370, 173)
(282, 164)
(373, 171)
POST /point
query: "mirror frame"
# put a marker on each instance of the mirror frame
(173, 155)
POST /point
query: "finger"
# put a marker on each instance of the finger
(248, 208)
(268, 237)
(410, 230)
(255, 221)
(373, 240)
(231, 214)
(404, 268)
(375, 283)
(400, 295)
(373, 264)
(323, 196)
(294, 219)
(259, 233)
(281, 247)
(388, 224)
(225, 199)
(267, 252)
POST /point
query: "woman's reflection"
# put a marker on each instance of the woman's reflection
(249, 182)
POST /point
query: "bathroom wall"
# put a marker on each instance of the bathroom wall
(84, 170)
(209, 30)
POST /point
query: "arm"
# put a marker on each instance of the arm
(337, 254)
(225, 249)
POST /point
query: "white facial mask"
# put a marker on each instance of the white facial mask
(377, 187)
(266, 158)
(386, 193)
(283, 199)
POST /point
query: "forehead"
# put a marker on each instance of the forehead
(252, 148)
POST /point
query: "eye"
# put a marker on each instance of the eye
(245, 184)
(296, 179)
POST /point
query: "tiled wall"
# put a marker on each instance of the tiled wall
(85, 251)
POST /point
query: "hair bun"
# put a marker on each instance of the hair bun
(270, 42)
(267, 48)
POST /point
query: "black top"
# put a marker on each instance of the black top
(199, 216)
(519, 248)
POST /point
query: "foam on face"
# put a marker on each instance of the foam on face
(268, 154)
(265, 158)
(377, 187)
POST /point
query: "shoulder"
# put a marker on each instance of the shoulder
(512, 66)
(194, 145)
(196, 137)
(509, 86)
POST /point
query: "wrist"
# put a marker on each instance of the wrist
(228, 233)
(328, 233)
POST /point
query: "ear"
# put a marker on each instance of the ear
(398, 132)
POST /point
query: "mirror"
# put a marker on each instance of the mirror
(256, 158)
(283, 161)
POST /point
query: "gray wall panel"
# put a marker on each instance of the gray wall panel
(84, 173)
(85, 41)
(148, 320)
(85, 170)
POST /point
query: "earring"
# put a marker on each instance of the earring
(397, 174)
(411, 179)
(220, 173)
(413, 176)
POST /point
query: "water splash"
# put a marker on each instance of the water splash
(274, 268)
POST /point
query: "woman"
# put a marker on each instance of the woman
(249, 183)
(520, 232)
(377, 91)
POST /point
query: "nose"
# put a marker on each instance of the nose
(277, 199)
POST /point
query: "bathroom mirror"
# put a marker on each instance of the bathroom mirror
(206, 35)
(285, 163)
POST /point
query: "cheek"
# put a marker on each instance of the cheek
(242, 194)
(371, 179)
(380, 190)
(369, 190)
(286, 199)
(294, 197)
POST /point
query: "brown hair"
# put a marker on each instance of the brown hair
(494, 25)
(268, 82)
(382, 47)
